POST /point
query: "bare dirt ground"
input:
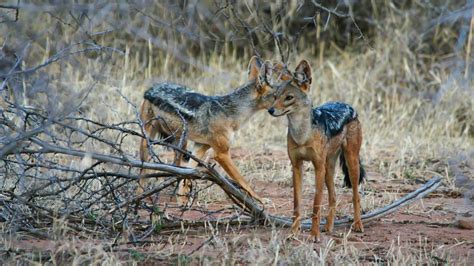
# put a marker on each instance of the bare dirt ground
(426, 230)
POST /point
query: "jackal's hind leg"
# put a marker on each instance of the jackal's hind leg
(351, 154)
(151, 129)
(320, 173)
(329, 179)
(185, 186)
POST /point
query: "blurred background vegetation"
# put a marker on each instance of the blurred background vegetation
(405, 65)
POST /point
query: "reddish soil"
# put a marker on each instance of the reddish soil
(426, 224)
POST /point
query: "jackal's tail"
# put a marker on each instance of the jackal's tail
(166, 137)
(156, 125)
(171, 139)
(345, 170)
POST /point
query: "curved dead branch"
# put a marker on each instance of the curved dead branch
(373, 215)
(264, 217)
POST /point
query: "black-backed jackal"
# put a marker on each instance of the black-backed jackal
(210, 121)
(319, 135)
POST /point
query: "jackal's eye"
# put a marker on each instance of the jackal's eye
(289, 98)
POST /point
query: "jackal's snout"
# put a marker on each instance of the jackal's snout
(278, 112)
(271, 111)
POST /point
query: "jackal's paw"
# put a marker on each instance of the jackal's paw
(139, 190)
(292, 236)
(183, 201)
(315, 238)
(149, 200)
(328, 227)
(183, 196)
(255, 196)
(295, 228)
(294, 232)
(358, 227)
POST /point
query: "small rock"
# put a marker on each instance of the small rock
(464, 222)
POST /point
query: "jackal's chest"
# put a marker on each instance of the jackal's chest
(305, 153)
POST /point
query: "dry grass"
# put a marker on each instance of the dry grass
(416, 108)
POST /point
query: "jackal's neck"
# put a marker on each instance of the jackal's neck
(241, 104)
(299, 124)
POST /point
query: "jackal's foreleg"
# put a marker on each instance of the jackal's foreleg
(320, 172)
(329, 180)
(297, 171)
(222, 156)
(226, 162)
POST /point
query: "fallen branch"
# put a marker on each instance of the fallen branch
(367, 218)
(427, 188)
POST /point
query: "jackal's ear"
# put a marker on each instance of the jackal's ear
(302, 75)
(254, 67)
(265, 74)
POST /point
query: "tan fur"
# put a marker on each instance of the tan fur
(310, 144)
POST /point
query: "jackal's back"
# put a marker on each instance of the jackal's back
(332, 117)
(174, 98)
